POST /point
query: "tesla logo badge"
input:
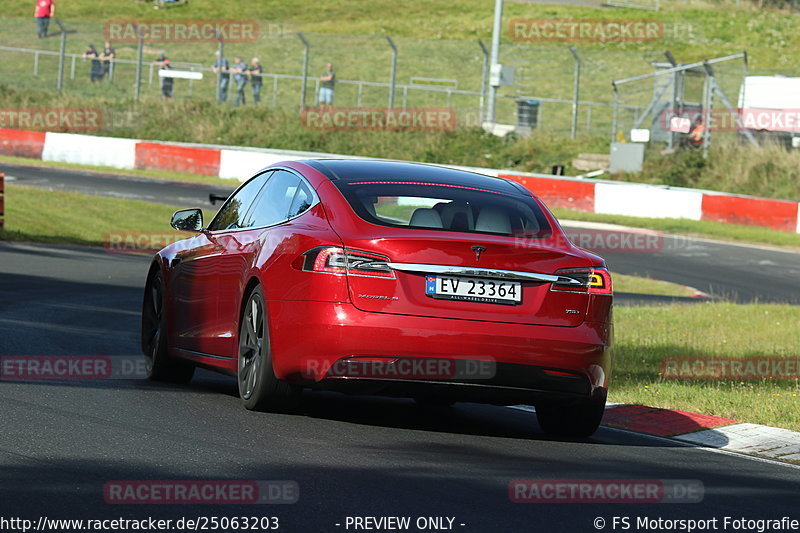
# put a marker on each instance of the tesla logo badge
(478, 251)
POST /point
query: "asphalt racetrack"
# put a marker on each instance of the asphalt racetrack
(62, 441)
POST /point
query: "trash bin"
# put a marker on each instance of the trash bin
(527, 113)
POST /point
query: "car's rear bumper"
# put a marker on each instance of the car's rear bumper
(317, 343)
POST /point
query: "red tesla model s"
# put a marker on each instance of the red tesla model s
(389, 278)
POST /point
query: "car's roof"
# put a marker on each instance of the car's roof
(362, 169)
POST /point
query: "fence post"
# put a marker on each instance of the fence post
(305, 69)
(138, 83)
(614, 112)
(2, 198)
(394, 72)
(61, 55)
(576, 87)
(220, 62)
(484, 74)
(497, 28)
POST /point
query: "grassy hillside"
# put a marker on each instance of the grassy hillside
(435, 38)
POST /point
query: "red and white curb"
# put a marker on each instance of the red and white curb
(238, 162)
(702, 430)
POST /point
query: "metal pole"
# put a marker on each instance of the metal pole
(36, 63)
(220, 63)
(139, 53)
(305, 69)
(614, 112)
(394, 72)
(495, 57)
(484, 74)
(72, 69)
(576, 84)
(707, 88)
(61, 55)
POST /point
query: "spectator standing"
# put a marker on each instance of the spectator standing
(698, 133)
(96, 74)
(45, 9)
(328, 80)
(167, 84)
(108, 55)
(222, 68)
(256, 80)
(239, 70)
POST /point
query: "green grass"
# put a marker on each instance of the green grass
(73, 218)
(645, 336)
(693, 228)
(645, 285)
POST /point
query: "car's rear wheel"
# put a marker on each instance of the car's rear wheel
(160, 366)
(259, 388)
(579, 420)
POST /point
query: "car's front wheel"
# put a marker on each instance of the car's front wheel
(259, 388)
(160, 366)
(579, 420)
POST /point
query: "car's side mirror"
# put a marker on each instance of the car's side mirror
(187, 220)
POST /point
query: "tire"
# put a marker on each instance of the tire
(580, 420)
(259, 388)
(160, 366)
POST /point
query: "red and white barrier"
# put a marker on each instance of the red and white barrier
(90, 150)
(594, 196)
(21, 143)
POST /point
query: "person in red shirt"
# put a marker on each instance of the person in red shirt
(44, 10)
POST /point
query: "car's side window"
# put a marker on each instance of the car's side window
(303, 199)
(232, 215)
(272, 205)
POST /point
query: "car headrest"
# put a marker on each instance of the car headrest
(426, 218)
(493, 221)
(457, 216)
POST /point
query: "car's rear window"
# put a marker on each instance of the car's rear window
(415, 203)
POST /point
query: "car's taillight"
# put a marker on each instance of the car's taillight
(341, 261)
(591, 280)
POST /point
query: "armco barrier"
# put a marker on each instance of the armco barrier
(2, 199)
(21, 143)
(578, 194)
(90, 150)
(236, 162)
(204, 161)
(777, 214)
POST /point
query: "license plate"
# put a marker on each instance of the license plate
(474, 290)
